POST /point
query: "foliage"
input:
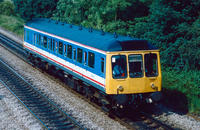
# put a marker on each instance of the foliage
(173, 26)
(7, 8)
(29, 9)
(99, 14)
(12, 23)
(182, 89)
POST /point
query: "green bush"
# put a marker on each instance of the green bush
(7, 8)
(182, 89)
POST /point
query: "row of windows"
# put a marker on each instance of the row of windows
(66, 50)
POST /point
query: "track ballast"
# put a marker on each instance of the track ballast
(46, 112)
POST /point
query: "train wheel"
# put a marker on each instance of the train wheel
(119, 112)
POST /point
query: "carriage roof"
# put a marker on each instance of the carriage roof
(97, 39)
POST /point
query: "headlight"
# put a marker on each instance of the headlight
(120, 88)
(152, 85)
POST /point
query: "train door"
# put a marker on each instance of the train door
(74, 58)
(102, 69)
(84, 64)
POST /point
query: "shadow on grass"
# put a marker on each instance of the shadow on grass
(176, 100)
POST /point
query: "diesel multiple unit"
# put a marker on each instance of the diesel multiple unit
(121, 72)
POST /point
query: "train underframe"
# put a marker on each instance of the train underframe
(118, 104)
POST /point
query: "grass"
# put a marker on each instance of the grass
(182, 89)
(12, 23)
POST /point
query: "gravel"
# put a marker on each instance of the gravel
(83, 112)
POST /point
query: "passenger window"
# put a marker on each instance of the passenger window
(135, 66)
(119, 66)
(56, 46)
(85, 56)
(91, 58)
(69, 51)
(45, 42)
(60, 51)
(37, 39)
(50, 44)
(53, 45)
(41, 40)
(102, 65)
(34, 39)
(74, 54)
(27, 34)
(24, 35)
(64, 50)
(79, 55)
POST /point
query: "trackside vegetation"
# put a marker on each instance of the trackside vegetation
(173, 26)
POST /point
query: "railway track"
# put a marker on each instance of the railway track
(130, 124)
(44, 110)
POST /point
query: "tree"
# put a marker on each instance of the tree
(171, 27)
(7, 8)
(29, 9)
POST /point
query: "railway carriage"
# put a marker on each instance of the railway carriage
(122, 72)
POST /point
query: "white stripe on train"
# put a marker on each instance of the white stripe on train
(78, 70)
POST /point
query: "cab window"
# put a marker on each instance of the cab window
(119, 66)
(135, 66)
(151, 65)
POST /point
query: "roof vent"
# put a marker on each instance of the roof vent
(71, 25)
(128, 35)
(49, 20)
(80, 28)
(102, 32)
(90, 29)
(43, 19)
(56, 22)
(65, 21)
(115, 35)
(62, 24)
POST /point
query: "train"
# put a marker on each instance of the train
(120, 72)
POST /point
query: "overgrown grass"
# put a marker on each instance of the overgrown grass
(12, 23)
(182, 89)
